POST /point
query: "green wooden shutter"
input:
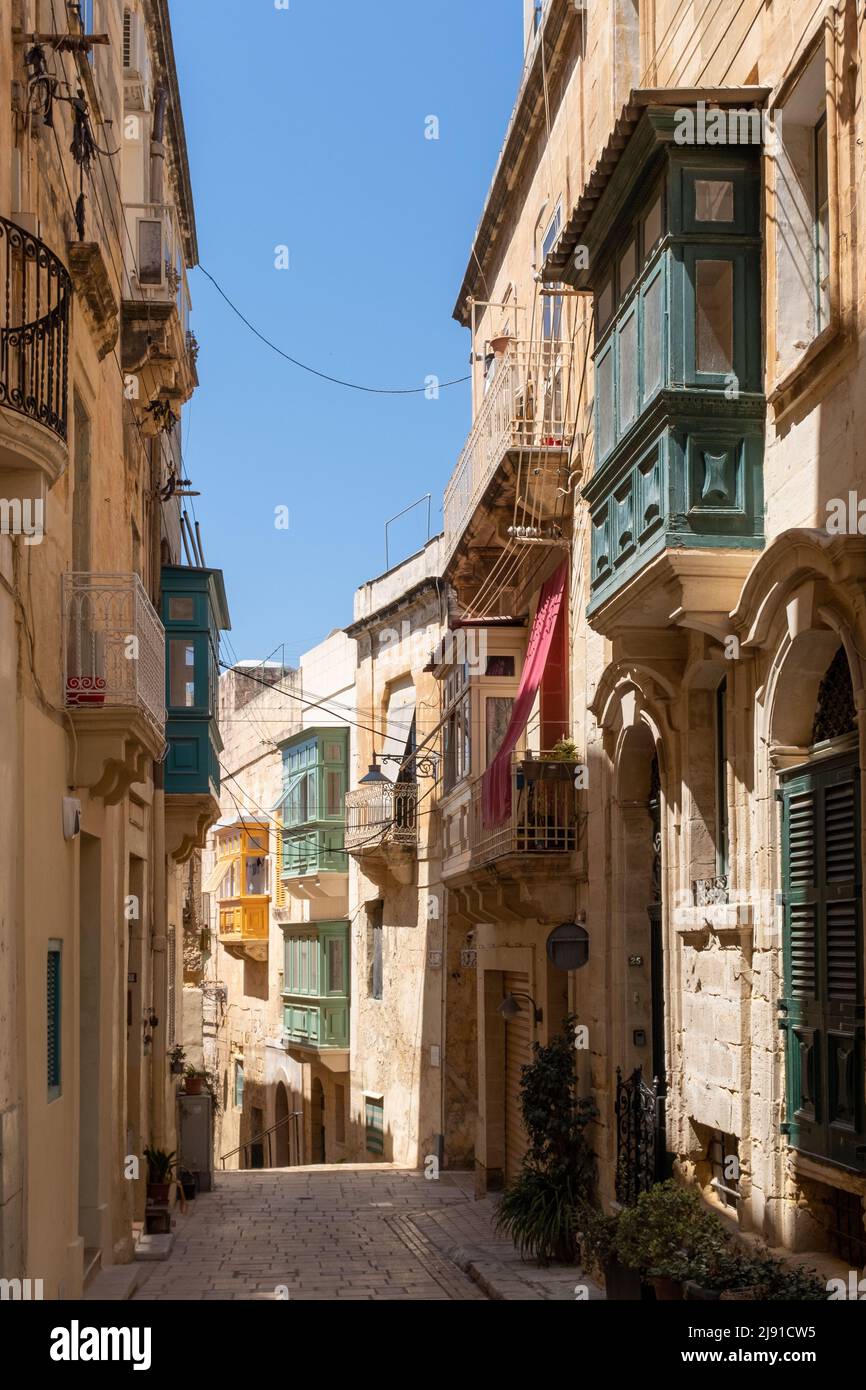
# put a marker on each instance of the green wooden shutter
(53, 1020)
(823, 1004)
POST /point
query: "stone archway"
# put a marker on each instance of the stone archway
(639, 1038)
(281, 1133)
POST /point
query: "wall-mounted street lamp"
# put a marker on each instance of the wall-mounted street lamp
(509, 1008)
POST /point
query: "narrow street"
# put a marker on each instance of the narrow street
(342, 1232)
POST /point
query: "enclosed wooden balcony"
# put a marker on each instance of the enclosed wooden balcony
(114, 679)
(35, 308)
(243, 925)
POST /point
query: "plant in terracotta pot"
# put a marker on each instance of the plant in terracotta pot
(663, 1234)
(160, 1173)
(194, 1081)
(176, 1059)
(596, 1235)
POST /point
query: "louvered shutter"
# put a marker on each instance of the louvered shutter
(822, 1008)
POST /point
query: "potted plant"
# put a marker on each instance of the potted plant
(559, 763)
(176, 1059)
(558, 1171)
(160, 1170)
(194, 1080)
(188, 1183)
(663, 1235)
(597, 1233)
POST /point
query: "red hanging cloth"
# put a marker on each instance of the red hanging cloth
(496, 782)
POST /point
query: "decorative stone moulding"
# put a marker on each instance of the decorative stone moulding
(712, 909)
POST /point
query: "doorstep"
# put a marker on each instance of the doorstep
(113, 1285)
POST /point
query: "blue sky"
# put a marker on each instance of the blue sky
(306, 130)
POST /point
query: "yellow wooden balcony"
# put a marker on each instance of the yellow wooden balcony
(243, 925)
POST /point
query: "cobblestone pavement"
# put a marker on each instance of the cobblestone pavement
(329, 1233)
(340, 1232)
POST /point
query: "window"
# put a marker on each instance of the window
(801, 226)
(374, 949)
(627, 267)
(714, 316)
(502, 666)
(239, 1084)
(181, 666)
(552, 304)
(375, 1124)
(127, 37)
(54, 1017)
(723, 1153)
(537, 15)
(714, 200)
(336, 958)
(653, 336)
(604, 403)
(181, 608)
(497, 718)
(822, 226)
(628, 374)
(457, 728)
(652, 227)
(721, 780)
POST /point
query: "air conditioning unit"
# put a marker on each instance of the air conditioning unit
(136, 69)
(134, 44)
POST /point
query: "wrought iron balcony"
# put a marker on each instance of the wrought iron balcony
(114, 646)
(542, 820)
(34, 332)
(382, 813)
(527, 406)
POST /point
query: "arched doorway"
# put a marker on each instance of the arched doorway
(318, 1123)
(281, 1133)
(640, 1028)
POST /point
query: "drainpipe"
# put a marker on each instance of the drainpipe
(158, 940)
(157, 146)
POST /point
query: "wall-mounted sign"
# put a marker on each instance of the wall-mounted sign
(132, 978)
(635, 960)
(468, 958)
(434, 960)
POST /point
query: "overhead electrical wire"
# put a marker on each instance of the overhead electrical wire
(324, 376)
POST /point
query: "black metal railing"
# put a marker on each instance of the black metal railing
(294, 1143)
(34, 328)
(640, 1135)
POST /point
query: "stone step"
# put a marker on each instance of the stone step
(113, 1285)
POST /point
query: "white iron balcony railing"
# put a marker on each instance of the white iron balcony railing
(382, 813)
(543, 817)
(528, 405)
(114, 645)
(159, 271)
